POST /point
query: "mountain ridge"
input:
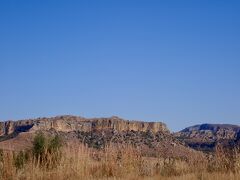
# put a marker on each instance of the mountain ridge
(67, 123)
(151, 138)
(206, 137)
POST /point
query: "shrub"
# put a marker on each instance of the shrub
(55, 144)
(39, 146)
(47, 151)
(54, 150)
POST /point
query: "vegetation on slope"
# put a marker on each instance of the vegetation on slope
(48, 159)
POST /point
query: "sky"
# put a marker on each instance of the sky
(153, 60)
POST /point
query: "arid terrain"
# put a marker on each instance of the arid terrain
(206, 137)
(110, 148)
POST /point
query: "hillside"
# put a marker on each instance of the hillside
(152, 138)
(206, 137)
(102, 148)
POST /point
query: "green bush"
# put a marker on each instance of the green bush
(39, 146)
(47, 151)
(55, 144)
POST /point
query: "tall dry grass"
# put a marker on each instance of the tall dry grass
(115, 162)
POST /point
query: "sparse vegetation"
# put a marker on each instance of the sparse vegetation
(20, 159)
(112, 162)
(113, 154)
(47, 151)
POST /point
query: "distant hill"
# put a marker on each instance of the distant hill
(206, 137)
(151, 138)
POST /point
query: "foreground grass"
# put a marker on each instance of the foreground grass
(47, 161)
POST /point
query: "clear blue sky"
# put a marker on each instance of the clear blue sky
(173, 61)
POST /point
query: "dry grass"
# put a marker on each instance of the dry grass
(118, 162)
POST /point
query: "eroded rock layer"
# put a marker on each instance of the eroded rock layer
(73, 123)
(206, 137)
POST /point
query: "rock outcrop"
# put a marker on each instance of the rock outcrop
(74, 123)
(151, 138)
(205, 137)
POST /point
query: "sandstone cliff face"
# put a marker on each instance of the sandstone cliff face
(73, 123)
(10, 127)
(151, 138)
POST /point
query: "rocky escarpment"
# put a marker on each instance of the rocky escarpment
(151, 138)
(206, 137)
(73, 123)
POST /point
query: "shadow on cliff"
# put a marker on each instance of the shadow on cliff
(16, 131)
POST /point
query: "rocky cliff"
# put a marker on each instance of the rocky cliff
(206, 136)
(151, 138)
(74, 123)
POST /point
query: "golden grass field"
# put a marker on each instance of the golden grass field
(115, 163)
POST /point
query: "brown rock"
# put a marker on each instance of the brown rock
(73, 123)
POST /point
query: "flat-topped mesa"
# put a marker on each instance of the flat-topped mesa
(73, 123)
(210, 132)
(118, 124)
